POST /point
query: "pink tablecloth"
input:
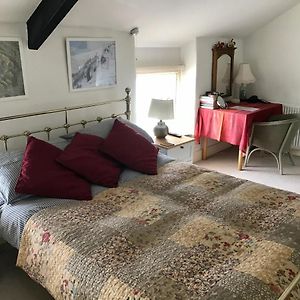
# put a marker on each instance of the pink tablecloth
(230, 125)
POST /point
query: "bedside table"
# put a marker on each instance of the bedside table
(179, 148)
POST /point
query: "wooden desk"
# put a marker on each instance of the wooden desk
(231, 125)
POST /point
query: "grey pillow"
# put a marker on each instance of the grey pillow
(10, 167)
(137, 129)
(103, 128)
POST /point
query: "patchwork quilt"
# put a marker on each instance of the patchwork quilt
(186, 233)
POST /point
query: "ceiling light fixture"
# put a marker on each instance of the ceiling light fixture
(134, 31)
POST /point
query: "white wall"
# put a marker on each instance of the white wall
(47, 77)
(188, 87)
(273, 53)
(153, 57)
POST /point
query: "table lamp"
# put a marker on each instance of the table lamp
(162, 110)
(244, 77)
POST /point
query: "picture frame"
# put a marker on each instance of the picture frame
(12, 80)
(91, 63)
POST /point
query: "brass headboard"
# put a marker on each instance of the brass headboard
(66, 125)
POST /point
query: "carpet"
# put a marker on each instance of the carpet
(15, 284)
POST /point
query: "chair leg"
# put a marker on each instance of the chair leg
(291, 159)
(249, 151)
(280, 163)
(246, 158)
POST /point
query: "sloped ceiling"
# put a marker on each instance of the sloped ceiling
(163, 22)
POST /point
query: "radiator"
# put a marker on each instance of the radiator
(287, 109)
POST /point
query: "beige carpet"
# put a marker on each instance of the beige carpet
(262, 169)
(14, 283)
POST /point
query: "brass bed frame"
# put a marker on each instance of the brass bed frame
(67, 124)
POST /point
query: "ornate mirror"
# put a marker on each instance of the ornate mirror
(222, 68)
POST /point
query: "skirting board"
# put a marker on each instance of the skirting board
(295, 152)
(197, 153)
(217, 147)
(213, 147)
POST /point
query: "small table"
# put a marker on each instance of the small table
(177, 147)
(232, 126)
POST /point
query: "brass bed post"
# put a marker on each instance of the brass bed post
(128, 99)
(48, 130)
(66, 126)
(4, 138)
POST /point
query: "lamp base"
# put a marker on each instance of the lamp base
(161, 130)
(243, 93)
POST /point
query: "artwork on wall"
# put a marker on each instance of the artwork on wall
(91, 63)
(12, 83)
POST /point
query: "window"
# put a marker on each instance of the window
(160, 85)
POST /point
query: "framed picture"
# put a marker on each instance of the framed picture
(12, 83)
(91, 63)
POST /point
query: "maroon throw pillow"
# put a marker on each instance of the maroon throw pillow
(41, 175)
(84, 158)
(131, 149)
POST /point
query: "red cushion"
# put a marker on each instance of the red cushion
(84, 158)
(41, 175)
(131, 149)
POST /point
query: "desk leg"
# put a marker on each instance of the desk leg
(204, 148)
(240, 160)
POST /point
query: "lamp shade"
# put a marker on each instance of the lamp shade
(161, 109)
(245, 75)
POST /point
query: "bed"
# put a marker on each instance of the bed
(185, 233)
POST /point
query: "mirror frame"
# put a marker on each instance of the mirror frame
(219, 50)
